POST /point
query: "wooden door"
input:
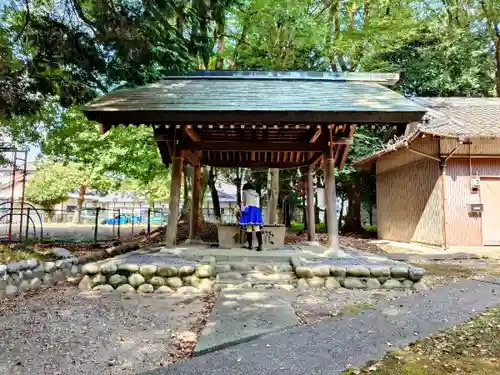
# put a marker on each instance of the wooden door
(490, 198)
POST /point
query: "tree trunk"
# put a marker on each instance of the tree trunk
(205, 176)
(274, 189)
(497, 59)
(242, 39)
(370, 213)
(81, 199)
(188, 176)
(237, 183)
(220, 31)
(353, 218)
(214, 193)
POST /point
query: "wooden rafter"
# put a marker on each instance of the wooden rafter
(316, 134)
(191, 133)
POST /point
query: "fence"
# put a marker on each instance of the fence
(90, 225)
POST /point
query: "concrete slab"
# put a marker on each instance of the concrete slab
(152, 256)
(243, 315)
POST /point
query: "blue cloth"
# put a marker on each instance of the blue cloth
(251, 215)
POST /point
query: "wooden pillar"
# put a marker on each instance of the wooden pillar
(311, 221)
(175, 195)
(195, 204)
(331, 203)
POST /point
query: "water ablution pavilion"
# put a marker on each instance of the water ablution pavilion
(257, 119)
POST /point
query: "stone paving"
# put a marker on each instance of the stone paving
(333, 346)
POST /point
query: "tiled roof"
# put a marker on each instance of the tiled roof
(449, 117)
(277, 92)
(470, 117)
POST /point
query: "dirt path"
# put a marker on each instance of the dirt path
(60, 331)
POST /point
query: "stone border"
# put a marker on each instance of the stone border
(21, 276)
(360, 277)
(209, 275)
(149, 278)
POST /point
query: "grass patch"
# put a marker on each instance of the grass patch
(299, 227)
(470, 348)
(356, 308)
(16, 252)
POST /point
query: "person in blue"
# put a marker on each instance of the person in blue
(251, 215)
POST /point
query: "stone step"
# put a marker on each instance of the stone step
(255, 278)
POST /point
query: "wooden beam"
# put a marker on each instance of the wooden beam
(191, 158)
(346, 148)
(256, 146)
(316, 134)
(175, 195)
(191, 133)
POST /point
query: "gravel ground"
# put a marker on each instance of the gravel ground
(60, 331)
(314, 305)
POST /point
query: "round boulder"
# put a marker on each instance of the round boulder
(338, 271)
(116, 280)
(174, 282)
(106, 288)
(380, 271)
(266, 268)
(353, 283)
(156, 281)
(108, 268)
(186, 271)
(241, 267)
(164, 289)
(391, 284)
(358, 271)
(304, 272)
(416, 273)
(332, 283)
(191, 281)
(32, 263)
(35, 283)
(420, 285)
(96, 280)
(321, 271)
(145, 288)
(399, 272)
(136, 279)
(316, 282)
(221, 268)
(48, 280)
(302, 284)
(205, 285)
(372, 283)
(283, 268)
(148, 270)
(167, 271)
(407, 284)
(50, 266)
(24, 286)
(10, 290)
(204, 271)
(187, 290)
(125, 288)
(127, 267)
(3, 269)
(88, 269)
